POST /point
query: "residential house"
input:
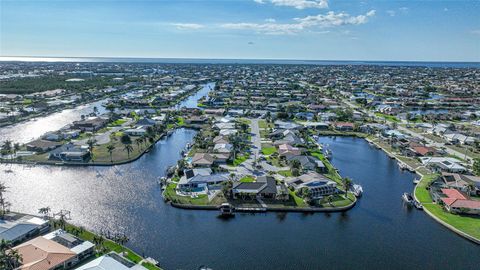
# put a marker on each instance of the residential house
(70, 152)
(42, 146)
(199, 180)
(111, 261)
(459, 203)
(446, 164)
(263, 187)
(56, 250)
(90, 124)
(16, 228)
(317, 184)
(344, 126)
(288, 150)
(308, 163)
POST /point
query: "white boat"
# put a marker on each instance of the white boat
(416, 181)
(417, 205)
(328, 154)
(357, 190)
(407, 197)
(226, 210)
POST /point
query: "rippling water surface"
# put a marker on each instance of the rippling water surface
(379, 233)
(28, 130)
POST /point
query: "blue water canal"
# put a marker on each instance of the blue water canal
(378, 233)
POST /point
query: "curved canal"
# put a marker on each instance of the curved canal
(378, 233)
(27, 131)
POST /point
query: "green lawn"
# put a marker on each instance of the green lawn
(467, 224)
(286, 173)
(239, 159)
(298, 201)
(180, 121)
(387, 117)
(117, 123)
(172, 195)
(111, 246)
(247, 179)
(268, 150)
(421, 192)
(264, 124)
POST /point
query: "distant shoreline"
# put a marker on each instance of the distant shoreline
(440, 64)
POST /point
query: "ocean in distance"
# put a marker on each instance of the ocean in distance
(240, 61)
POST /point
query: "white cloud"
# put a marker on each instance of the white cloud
(188, 26)
(391, 12)
(298, 4)
(475, 32)
(445, 9)
(270, 20)
(330, 19)
(403, 9)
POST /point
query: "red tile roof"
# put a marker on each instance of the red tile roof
(453, 194)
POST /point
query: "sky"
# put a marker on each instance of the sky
(385, 30)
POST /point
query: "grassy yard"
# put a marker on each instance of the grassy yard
(180, 121)
(111, 246)
(268, 150)
(467, 224)
(264, 124)
(286, 173)
(421, 191)
(117, 123)
(247, 179)
(388, 117)
(239, 159)
(298, 201)
(172, 195)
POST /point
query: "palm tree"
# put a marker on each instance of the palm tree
(110, 149)
(45, 211)
(138, 141)
(9, 258)
(91, 144)
(7, 146)
(16, 147)
(4, 204)
(347, 183)
(128, 148)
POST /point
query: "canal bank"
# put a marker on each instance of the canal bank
(127, 199)
(461, 225)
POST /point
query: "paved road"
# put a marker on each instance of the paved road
(256, 138)
(415, 134)
(104, 138)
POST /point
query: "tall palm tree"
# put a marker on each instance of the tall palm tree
(9, 258)
(4, 204)
(91, 144)
(138, 141)
(45, 211)
(16, 147)
(347, 183)
(128, 148)
(110, 149)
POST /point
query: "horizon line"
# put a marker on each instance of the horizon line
(2, 59)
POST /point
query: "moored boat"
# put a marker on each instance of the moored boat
(226, 210)
(357, 190)
(417, 205)
(407, 197)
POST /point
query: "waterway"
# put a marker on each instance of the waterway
(378, 233)
(192, 101)
(27, 131)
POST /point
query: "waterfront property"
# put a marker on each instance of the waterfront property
(111, 261)
(56, 250)
(16, 228)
